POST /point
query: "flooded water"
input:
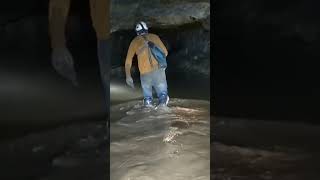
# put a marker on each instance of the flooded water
(167, 143)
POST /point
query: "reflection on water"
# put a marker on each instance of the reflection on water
(122, 93)
(169, 143)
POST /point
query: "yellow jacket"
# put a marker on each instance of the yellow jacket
(137, 47)
(58, 12)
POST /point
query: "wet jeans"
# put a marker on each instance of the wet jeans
(157, 80)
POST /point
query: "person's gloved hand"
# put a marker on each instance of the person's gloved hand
(62, 62)
(129, 81)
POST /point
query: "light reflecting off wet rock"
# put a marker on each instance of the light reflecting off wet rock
(165, 143)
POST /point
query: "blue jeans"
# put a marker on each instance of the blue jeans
(157, 80)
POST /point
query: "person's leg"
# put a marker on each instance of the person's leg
(100, 15)
(146, 84)
(161, 87)
(61, 58)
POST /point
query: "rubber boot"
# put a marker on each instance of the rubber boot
(163, 99)
(147, 102)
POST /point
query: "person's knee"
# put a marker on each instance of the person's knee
(162, 88)
(145, 85)
(147, 89)
(146, 82)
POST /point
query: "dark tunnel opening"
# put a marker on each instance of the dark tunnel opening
(265, 90)
(265, 58)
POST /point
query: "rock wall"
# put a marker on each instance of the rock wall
(160, 13)
(180, 23)
(183, 25)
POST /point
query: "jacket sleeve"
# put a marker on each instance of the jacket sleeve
(130, 54)
(58, 12)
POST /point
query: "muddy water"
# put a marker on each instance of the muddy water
(180, 85)
(154, 144)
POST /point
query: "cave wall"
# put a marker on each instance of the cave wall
(24, 28)
(265, 63)
(24, 19)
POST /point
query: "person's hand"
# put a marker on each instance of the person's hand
(62, 61)
(129, 81)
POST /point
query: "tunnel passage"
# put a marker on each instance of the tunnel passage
(188, 46)
(188, 71)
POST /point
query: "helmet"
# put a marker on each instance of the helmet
(141, 28)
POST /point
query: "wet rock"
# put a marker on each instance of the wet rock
(173, 13)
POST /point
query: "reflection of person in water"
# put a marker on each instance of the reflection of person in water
(150, 74)
(61, 57)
